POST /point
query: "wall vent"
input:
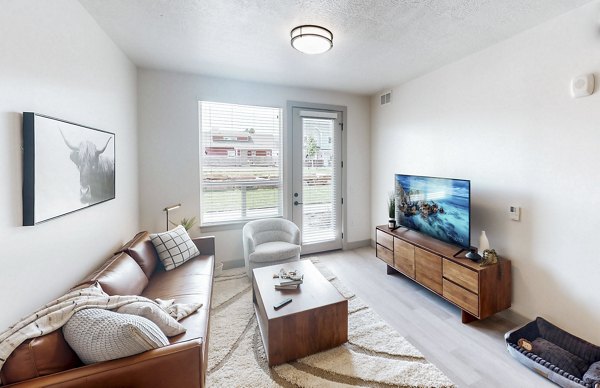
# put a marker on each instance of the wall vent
(385, 98)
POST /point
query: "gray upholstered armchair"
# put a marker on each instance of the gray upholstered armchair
(270, 241)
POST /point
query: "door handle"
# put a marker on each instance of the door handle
(296, 203)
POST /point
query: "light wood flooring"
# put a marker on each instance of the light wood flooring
(471, 355)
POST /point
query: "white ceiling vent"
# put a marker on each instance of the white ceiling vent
(385, 98)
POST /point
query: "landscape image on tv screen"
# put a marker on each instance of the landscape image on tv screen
(438, 207)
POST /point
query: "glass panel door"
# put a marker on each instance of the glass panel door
(317, 178)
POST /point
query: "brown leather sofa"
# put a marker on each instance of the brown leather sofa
(48, 361)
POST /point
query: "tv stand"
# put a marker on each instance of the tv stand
(443, 268)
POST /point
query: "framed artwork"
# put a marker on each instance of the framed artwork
(66, 167)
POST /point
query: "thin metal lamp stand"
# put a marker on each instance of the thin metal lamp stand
(168, 209)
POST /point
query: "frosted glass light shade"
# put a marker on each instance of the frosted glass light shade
(311, 39)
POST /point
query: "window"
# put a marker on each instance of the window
(240, 166)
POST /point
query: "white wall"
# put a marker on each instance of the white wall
(55, 60)
(169, 147)
(504, 119)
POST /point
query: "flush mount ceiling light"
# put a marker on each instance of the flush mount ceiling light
(311, 39)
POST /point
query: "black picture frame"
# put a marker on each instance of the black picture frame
(66, 167)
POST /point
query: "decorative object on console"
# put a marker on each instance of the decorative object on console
(484, 244)
(489, 257)
(168, 209)
(66, 167)
(392, 210)
(174, 247)
(473, 255)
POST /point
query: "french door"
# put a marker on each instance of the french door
(316, 181)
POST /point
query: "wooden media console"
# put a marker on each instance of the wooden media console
(478, 291)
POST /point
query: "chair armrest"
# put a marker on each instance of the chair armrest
(296, 236)
(175, 365)
(206, 245)
(250, 244)
(294, 232)
(248, 240)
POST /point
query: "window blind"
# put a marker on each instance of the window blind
(319, 181)
(240, 162)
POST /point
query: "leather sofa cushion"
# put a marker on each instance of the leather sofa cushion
(141, 249)
(39, 356)
(188, 283)
(119, 275)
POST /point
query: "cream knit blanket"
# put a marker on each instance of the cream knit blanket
(55, 314)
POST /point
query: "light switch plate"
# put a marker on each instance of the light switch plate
(514, 213)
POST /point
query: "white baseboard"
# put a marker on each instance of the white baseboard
(237, 263)
(356, 244)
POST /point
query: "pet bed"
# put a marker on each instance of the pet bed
(561, 357)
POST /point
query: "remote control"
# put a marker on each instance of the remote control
(282, 303)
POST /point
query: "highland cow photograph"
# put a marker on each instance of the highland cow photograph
(67, 167)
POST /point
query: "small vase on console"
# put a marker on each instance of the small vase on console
(484, 244)
(391, 211)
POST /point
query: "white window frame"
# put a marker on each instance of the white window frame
(276, 155)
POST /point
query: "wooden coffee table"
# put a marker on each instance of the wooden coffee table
(315, 320)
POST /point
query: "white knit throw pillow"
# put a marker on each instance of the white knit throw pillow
(174, 247)
(99, 335)
(150, 311)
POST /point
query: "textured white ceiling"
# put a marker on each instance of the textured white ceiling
(377, 43)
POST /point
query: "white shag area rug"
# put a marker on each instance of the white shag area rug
(374, 356)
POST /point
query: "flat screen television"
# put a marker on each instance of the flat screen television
(437, 207)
